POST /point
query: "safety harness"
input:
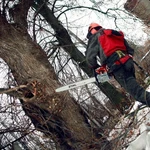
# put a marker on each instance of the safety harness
(117, 59)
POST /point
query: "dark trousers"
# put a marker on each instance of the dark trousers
(125, 76)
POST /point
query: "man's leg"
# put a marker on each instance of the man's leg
(126, 78)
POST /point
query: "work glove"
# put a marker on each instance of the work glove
(101, 70)
(101, 74)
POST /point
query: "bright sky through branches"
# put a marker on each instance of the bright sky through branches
(116, 17)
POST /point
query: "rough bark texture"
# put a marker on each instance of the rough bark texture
(139, 8)
(56, 115)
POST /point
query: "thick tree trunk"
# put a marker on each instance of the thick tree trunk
(56, 115)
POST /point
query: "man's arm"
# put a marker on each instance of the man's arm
(130, 50)
(92, 52)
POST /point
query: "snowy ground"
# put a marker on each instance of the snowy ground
(133, 131)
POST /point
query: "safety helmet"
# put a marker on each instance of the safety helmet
(93, 28)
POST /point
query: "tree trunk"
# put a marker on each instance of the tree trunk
(55, 114)
(139, 8)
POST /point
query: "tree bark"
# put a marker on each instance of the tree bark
(140, 9)
(55, 114)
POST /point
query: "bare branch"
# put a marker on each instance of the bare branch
(19, 12)
(15, 89)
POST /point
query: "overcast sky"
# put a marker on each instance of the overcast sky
(83, 17)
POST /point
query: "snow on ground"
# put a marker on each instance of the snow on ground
(133, 130)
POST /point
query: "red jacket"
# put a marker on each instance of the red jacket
(110, 42)
(104, 44)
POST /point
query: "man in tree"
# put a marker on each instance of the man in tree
(116, 55)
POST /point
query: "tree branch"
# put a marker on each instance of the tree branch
(9, 91)
(19, 12)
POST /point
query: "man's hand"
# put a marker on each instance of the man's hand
(101, 70)
(101, 74)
